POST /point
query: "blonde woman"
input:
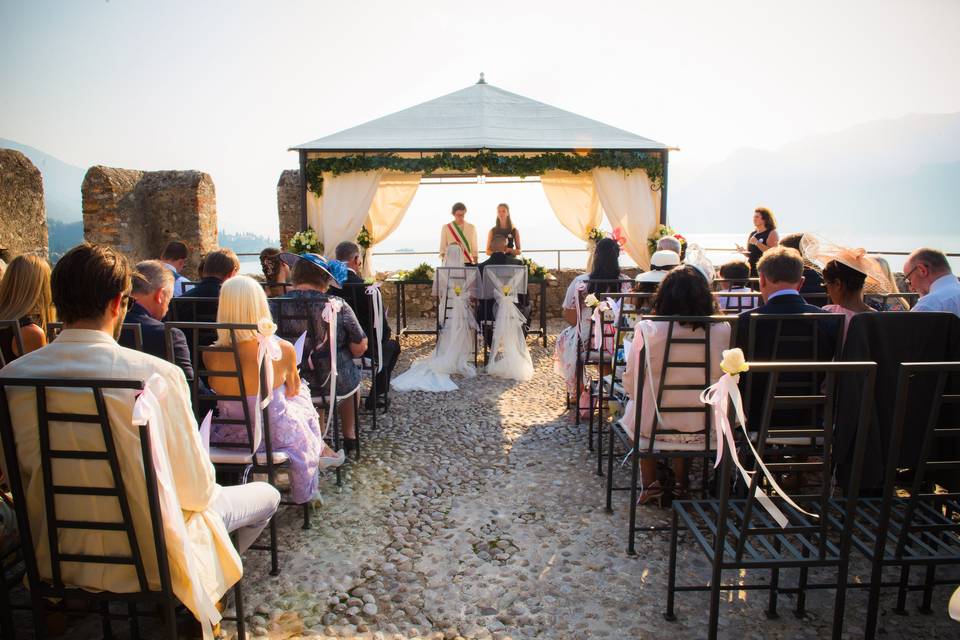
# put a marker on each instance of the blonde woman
(294, 423)
(25, 297)
(504, 227)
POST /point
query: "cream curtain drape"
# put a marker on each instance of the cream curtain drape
(574, 200)
(344, 206)
(391, 201)
(632, 205)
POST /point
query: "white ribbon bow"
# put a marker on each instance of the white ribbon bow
(377, 298)
(330, 311)
(719, 395)
(147, 411)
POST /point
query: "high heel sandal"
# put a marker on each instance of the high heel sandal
(651, 493)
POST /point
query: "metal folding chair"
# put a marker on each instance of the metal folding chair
(14, 326)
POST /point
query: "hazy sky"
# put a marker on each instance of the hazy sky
(227, 87)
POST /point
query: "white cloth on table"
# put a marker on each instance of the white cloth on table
(944, 295)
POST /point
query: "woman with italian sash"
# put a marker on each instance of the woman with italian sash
(460, 234)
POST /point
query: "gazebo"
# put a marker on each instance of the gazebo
(366, 176)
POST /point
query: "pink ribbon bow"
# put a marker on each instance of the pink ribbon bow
(330, 311)
(376, 296)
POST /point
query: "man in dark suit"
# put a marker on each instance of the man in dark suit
(781, 277)
(151, 293)
(485, 308)
(217, 267)
(355, 294)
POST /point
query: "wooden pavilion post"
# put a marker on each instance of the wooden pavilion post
(663, 187)
(303, 190)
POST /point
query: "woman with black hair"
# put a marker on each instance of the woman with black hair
(845, 290)
(684, 292)
(603, 278)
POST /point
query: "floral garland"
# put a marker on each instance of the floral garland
(306, 242)
(662, 232)
(487, 162)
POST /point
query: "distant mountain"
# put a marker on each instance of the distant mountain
(245, 242)
(889, 176)
(61, 182)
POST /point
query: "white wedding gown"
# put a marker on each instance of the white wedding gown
(453, 354)
(509, 355)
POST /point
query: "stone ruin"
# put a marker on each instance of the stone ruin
(138, 212)
(23, 217)
(288, 205)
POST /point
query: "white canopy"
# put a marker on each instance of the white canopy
(481, 117)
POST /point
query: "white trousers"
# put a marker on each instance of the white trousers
(247, 509)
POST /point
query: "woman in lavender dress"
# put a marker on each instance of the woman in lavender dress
(295, 427)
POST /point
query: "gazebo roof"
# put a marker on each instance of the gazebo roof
(481, 116)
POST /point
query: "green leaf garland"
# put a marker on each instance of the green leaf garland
(488, 163)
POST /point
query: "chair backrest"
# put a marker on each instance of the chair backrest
(13, 326)
(736, 301)
(294, 316)
(202, 394)
(936, 425)
(58, 486)
(718, 283)
(702, 363)
(816, 457)
(132, 329)
(446, 280)
(498, 276)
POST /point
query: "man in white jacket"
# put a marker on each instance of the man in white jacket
(90, 287)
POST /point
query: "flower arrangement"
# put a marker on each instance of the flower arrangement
(663, 231)
(364, 239)
(534, 270)
(506, 290)
(306, 242)
(734, 362)
(596, 235)
(422, 271)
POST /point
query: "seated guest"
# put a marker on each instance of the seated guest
(736, 275)
(294, 424)
(670, 243)
(498, 253)
(349, 254)
(217, 267)
(303, 312)
(3, 267)
(90, 284)
(928, 273)
(174, 257)
(661, 263)
(891, 303)
(812, 279)
(25, 297)
(684, 292)
(151, 293)
(845, 291)
(603, 278)
(274, 270)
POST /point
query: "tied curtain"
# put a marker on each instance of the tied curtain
(375, 199)
(580, 200)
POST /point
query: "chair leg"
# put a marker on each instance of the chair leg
(873, 599)
(610, 459)
(39, 622)
(238, 608)
(169, 615)
(669, 614)
(355, 399)
(716, 577)
(632, 519)
(274, 561)
(928, 589)
(6, 613)
(134, 621)
(840, 600)
(801, 609)
(902, 591)
(306, 514)
(774, 586)
(105, 620)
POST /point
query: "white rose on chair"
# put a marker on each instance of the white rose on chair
(734, 362)
(457, 290)
(591, 300)
(506, 290)
(266, 327)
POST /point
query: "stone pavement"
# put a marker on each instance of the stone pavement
(478, 514)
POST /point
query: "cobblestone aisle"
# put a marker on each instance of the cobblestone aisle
(479, 514)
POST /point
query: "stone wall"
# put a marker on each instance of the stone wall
(23, 217)
(288, 205)
(138, 212)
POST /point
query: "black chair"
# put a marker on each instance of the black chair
(739, 534)
(734, 302)
(189, 309)
(921, 528)
(12, 571)
(14, 327)
(58, 530)
(235, 461)
(369, 362)
(640, 447)
(467, 278)
(133, 328)
(295, 317)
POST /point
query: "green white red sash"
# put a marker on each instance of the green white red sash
(461, 241)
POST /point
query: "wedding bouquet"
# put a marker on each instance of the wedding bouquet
(364, 239)
(306, 242)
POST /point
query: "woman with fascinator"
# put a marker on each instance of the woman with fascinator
(303, 309)
(845, 272)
